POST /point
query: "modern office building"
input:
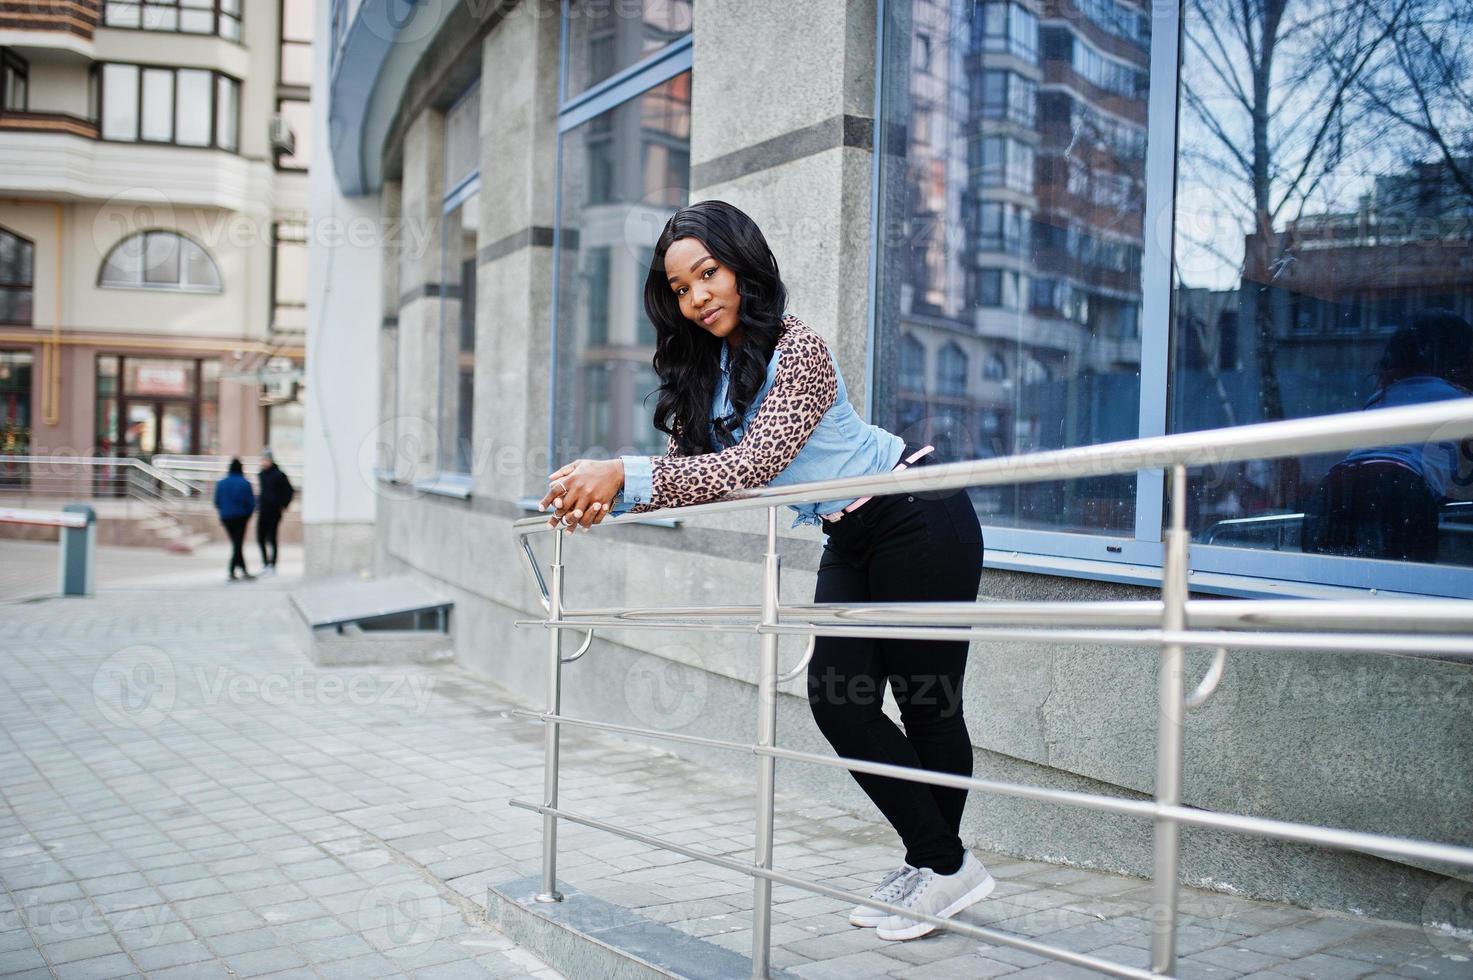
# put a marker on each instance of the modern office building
(152, 226)
(1011, 240)
(1023, 193)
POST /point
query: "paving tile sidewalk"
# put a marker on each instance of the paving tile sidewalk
(185, 795)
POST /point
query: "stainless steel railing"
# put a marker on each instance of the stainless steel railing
(1174, 624)
(112, 483)
(201, 472)
(25, 477)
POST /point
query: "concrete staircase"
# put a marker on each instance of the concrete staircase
(180, 530)
(172, 534)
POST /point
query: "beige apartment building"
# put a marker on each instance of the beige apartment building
(153, 195)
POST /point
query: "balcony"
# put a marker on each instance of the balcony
(56, 156)
(58, 24)
(48, 122)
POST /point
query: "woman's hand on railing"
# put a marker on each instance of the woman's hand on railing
(581, 492)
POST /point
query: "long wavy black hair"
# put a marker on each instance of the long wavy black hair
(687, 358)
(1436, 342)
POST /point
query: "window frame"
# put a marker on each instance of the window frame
(449, 480)
(1011, 109)
(1012, 13)
(219, 17)
(283, 42)
(1137, 559)
(145, 286)
(655, 69)
(12, 62)
(277, 239)
(953, 370)
(28, 286)
(99, 70)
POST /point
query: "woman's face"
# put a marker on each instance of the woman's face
(705, 288)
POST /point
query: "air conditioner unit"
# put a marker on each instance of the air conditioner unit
(283, 140)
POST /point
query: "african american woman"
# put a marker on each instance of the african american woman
(751, 396)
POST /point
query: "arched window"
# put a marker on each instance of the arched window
(951, 371)
(17, 282)
(996, 369)
(912, 364)
(160, 260)
(1035, 371)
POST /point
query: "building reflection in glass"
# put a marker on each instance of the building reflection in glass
(1324, 201)
(625, 172)
(1011, 238)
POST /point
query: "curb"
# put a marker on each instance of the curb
(584, 936)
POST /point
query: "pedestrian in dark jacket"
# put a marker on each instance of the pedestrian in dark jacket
(276, 494)
(235, 501)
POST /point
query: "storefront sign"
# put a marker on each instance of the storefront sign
(161, 379)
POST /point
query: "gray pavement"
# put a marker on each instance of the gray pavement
(186, 796)
(28, 569)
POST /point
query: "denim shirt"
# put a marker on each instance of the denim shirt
(842, 444)
(1438, 463)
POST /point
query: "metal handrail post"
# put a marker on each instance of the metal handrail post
(549, 891)
(1172, 695)
(766, 765)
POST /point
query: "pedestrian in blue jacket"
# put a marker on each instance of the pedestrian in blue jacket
(235, 501)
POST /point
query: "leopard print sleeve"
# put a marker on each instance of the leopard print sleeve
(804, 387)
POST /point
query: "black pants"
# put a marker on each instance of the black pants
(1372, 509)
(916, 547)
(236, 528)
(266, 524)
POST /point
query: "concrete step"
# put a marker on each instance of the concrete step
(178, 545)
(173, 536)
(397, 620)
(584, 936)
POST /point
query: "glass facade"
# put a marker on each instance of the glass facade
(1306, 215)
(1322, 221)
(606, 38)
(1314, 249)
(459, 233)
(624, 172)
(148, 405)
(15, 402)
(1009, 293)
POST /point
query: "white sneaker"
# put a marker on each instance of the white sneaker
(890, 888)
(939, 895)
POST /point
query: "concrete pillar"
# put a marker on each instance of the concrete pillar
(513, 311)
(799, 164)
(344, 313)
(417, 396)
